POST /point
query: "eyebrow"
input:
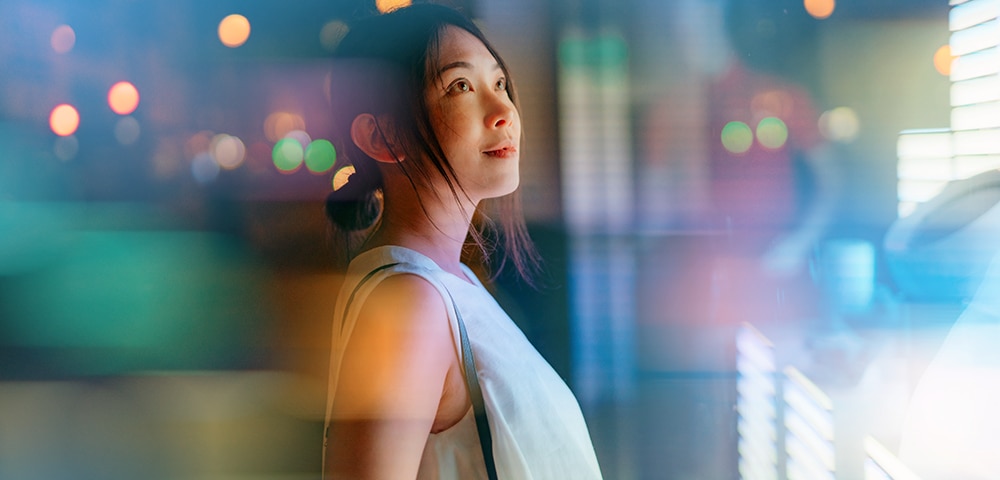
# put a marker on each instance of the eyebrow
(461, 64)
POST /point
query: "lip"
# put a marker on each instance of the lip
(503, 149)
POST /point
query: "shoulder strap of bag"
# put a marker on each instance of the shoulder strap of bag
(476, 394)
(471, 377)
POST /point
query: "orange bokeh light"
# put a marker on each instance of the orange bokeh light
(123, 98)
(234, 30)
(64, 120)
(820, 8)
(278, 124)
(385, 6)
(942, 60)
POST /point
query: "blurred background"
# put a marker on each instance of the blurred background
(769, 229)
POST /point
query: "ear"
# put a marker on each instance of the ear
(372, 138)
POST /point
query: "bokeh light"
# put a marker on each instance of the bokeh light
(278, 124)
(320, 156)
(772, 103)
(127, 130)
(123, 98)
(65, 148)
(820, 8)
(390, 5)
(840, 124)
(737, 137)
(204, 169)
(942, 60)
(198, 143)
(63, 39)
(64, 120)
(303, 138)
(287, 155)
(234, 30)
(228, 151)
(772, 133)
(332, 33)
(340, 178)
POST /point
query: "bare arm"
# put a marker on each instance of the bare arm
(391, 382)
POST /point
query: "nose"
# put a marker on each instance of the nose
(501, 111)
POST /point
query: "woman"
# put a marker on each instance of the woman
(427, 115)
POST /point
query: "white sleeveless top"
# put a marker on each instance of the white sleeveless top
(537, 427)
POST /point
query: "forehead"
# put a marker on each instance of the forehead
(457, 44)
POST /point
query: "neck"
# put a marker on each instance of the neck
(438, 230)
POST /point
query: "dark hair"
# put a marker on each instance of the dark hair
(382, 67)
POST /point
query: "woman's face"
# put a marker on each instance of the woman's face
(473, 117)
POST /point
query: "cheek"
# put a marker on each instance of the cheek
(451, 127)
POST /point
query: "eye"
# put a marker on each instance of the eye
(502, 84)
(459, 86)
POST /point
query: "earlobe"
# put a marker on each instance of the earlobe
(371, 138)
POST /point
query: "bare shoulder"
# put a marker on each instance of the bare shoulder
(405, 296)
(401, 343)
(407, 308)
(392, 380)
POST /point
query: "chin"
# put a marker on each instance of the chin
(510, 187)
(501, 190)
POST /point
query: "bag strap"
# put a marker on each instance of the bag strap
(476, 395)
(471, 377)
(371, 274)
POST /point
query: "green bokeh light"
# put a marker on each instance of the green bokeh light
(320, 156)
(772, 133)
(287, 155)
(737, 137)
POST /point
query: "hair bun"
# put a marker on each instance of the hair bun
(354, 206)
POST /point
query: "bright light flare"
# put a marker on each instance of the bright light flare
(820, 9)
(342, 176)
(234, 30)
(943, 59)
(64, 120)
(123, 98)
(386, 6)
